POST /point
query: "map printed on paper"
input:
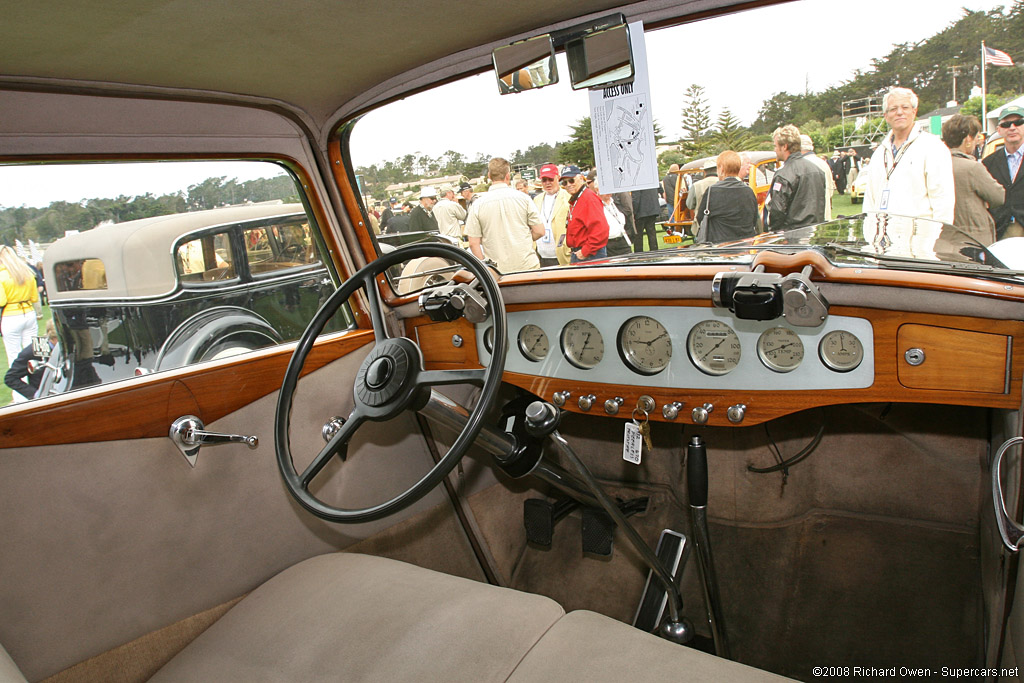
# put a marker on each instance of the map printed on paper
(623, 127)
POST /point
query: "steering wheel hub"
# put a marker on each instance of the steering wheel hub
(385, 372)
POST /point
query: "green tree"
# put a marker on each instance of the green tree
(580, 147)
(972, 107)
(697, 128)
(729, 134)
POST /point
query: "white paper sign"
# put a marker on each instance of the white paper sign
(623, 127)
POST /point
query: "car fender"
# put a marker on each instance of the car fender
(214, 331)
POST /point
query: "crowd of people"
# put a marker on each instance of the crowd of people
(566, 220)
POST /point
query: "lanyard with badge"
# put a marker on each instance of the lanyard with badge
(883, 203)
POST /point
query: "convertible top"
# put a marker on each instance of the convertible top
(137, 254)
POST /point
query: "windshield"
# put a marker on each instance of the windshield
(819, 148)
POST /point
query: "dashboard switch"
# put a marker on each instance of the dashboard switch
(560, 397)
(586, 402)
(612, 405)
(670, 411)
(701, 413)
(736, 413)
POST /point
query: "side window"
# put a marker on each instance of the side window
(279, 246)
(149, 266)
(205, 259)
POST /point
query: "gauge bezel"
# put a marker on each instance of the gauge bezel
(629, 360)
(830, 363)
(775, 366)
(699, 364)
(569, 354)
(489, 339)
(527, 354)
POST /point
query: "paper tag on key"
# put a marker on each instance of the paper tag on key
(632, 443)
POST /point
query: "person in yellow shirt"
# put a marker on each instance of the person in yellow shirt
(18, 294)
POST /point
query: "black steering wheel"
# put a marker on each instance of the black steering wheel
(390, 380)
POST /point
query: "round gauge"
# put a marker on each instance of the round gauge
(489, 340)
(533, 343)
(713, 347)
(645, 345)
(780, 349)
(582, 344)
(841, 350)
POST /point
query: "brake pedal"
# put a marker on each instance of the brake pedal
(598, 532)
(673, 551)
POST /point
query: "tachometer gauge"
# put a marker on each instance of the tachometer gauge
(645, 345)
(582, 344)
(713, 347)
(841, 351)
(533, 343)
(780, 349)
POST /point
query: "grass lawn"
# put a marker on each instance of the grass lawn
(5, 391)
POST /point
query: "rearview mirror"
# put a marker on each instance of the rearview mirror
(525, 65)
(600, 58)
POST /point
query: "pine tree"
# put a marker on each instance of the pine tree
(729, 134)
(696, 123)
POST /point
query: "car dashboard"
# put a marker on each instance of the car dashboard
(682, 359)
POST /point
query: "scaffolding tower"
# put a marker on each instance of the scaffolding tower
(867, 113)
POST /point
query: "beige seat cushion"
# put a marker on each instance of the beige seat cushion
(354, 617)
(584, 646)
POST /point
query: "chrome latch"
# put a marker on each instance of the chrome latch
(1011, 532)
(188, 434)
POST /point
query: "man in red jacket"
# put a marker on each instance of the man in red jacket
(586, 231)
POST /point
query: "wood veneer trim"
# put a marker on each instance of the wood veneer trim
(145, 407)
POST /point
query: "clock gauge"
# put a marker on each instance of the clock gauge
(644, 345)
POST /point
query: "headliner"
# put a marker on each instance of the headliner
(324, 59)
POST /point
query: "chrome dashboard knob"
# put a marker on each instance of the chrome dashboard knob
(670, 411)
(560, 397)
(736, 413)
(700, 414)
(586, 402)
(612, 405)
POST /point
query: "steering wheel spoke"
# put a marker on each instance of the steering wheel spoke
(338, 445)
(369, 283)
(440, 377)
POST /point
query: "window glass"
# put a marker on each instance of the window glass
(205, 259)
(80, 274)
(145, 267)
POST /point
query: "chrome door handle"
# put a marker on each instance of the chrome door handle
(189, 433)
(1011, 532)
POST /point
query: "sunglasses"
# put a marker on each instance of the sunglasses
(564, 183)
(1016, 122)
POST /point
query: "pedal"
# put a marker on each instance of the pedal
(673, 551)
(598, 532)
(540, 517)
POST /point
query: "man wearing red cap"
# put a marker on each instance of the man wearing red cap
(586, 231)
(553, 205)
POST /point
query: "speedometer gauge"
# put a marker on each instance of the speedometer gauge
(645, 345)
(713, 347)
(582, 344)
(780, 349)
(533, 343)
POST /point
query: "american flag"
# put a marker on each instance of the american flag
(997, 57)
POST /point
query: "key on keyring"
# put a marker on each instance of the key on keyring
(645, 432)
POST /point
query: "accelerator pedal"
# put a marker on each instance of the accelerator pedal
(672, 551)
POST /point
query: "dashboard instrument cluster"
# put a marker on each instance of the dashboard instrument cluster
(685, 347)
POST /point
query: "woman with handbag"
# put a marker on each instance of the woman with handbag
(18, 295)
(728, 209)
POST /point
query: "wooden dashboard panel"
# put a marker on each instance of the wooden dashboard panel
(969, 362)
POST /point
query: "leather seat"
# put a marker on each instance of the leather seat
(355, 617)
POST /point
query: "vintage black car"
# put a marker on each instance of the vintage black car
(168, 291)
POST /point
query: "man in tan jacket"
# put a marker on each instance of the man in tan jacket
(553, 205)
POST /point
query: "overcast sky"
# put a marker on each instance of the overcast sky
(469, 117)
(810, 43)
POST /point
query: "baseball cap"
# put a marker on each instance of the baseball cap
(548, 171)
(571, 171)
(1012, 111)
(465, 186)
